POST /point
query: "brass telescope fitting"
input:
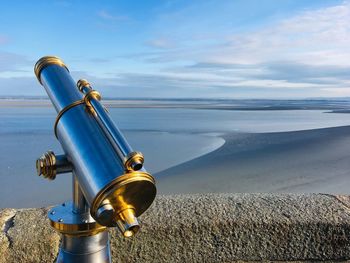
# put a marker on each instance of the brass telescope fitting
(46, 165)
(49, 165)
(111, 187)
(46, 61)
(134, 161)
(128, 223)
(83, 83)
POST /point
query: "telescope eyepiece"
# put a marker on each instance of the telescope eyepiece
(128, 223)
(125, 220)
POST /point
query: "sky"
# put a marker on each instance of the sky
(181, 48)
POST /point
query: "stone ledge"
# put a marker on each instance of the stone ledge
(205, 228)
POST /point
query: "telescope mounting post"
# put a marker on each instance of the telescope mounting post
(83, 239)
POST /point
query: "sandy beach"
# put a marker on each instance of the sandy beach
(299, 161)
(189, 150)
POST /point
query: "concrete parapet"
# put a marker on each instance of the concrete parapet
(205, 228)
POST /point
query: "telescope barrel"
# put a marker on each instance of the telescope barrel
(114, 193)
(79, 134)
(59, 88)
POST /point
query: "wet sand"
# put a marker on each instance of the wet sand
(300, 161)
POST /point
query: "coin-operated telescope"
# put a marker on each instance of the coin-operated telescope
(111, 188)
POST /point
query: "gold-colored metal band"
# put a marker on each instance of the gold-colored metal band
(47, 61)
(92, 94)
(60, 114)
(65, 221)
(86, 100)
(86, 229)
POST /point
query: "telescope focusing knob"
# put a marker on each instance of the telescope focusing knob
(105, 214)
(49, 165)
(46, 165)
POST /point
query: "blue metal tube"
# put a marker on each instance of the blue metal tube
(113, 193)
(94, 160)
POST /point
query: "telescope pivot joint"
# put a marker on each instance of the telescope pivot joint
(49, 165)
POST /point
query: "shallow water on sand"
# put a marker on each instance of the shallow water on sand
(167, 137)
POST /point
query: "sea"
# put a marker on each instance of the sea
(166, 136)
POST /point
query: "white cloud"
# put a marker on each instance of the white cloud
(12, 62)
(308, 53)
(319, 37)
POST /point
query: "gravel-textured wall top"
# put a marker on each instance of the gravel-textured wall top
(204, 228)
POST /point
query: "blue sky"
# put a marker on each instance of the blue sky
(179, 49)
